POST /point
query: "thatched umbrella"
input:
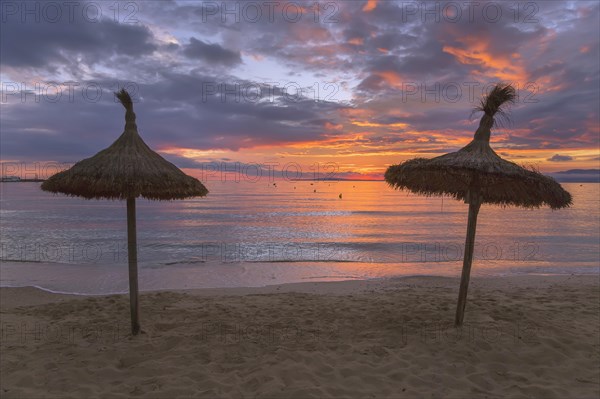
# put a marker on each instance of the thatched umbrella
(476, 174)
(126, 170)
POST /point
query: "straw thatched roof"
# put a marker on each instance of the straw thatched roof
(477, 168)
(126, 169)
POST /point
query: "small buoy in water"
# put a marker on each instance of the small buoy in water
(315, 190)
(275, 184)
(311, 184)
(340, 196)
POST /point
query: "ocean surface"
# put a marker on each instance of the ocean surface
(254, 234)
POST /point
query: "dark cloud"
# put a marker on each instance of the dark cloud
(392, 40)
(211, 53)
(578, 176)
(172, 112)
(46, 45)
(560, 158)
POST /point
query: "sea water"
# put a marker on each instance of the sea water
(258, 233)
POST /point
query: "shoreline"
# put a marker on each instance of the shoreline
(524, 336)
(111, 279)
(303, 286)
(340, 286)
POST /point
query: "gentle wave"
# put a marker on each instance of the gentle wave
(372, 230)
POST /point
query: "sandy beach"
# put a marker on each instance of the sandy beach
(524, 337)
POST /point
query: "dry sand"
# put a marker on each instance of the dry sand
(529, 337)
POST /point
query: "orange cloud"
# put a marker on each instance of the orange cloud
(356, 112)
(370, 6)
(391, 77)
(477, 51)
(191, 152)
(331, 126)
(546, 84)
(373, 124)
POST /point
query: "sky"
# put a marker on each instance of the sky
(330, 89)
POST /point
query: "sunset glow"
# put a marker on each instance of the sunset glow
(361, 84)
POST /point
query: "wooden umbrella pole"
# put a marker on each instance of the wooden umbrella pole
(474, 205)
(133, 273)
